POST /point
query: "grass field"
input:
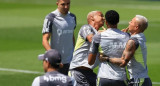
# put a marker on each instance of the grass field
(21, 25)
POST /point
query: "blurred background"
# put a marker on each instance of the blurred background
(21, 38)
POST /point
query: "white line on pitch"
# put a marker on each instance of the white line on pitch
(21, 71)
(35, 72)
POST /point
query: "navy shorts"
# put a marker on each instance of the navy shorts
(110, 82)
(83, 77)
(140, 82)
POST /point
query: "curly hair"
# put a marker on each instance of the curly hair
(112, 17)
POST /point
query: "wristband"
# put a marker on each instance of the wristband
(107, 59)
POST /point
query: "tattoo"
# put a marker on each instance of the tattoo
(129, 51)
(123, 55)
(131, 45)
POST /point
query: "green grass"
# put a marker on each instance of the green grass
(21, 25)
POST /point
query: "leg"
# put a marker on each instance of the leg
(147, 82)
(110, 82)
(80, 78)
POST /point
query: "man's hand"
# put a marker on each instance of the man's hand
(103, 58)
(125, 30)
(104, 29)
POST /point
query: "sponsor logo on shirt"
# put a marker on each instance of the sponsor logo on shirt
(60, 32)
(63, 79)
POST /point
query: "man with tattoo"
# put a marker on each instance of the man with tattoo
(135, 53)
(112, 43)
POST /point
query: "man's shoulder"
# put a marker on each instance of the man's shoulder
(36, 81)
(50, 16)
(86, 26)
(72, 14)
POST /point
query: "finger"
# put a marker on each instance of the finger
(103, 28)
(127, 28)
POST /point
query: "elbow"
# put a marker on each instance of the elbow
(123, 65)
(90, 63)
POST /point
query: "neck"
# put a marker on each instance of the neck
(61, 13)
(51, 69)
(135, 32)
(111, 26)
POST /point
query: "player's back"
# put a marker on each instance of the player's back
(112, 43)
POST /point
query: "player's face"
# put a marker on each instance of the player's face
(133, 25)
(63, 6)
(45, 66)
(99, 19)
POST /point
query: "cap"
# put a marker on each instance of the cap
(52, 56)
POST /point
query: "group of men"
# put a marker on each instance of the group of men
(68, 64)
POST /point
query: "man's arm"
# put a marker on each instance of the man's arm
(89, 37)
(128, 53)
(73, 40)
(45, 42)
(94, 49)
(91, 58)
(93, 52)
(36, 82)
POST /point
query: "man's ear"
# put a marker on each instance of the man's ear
(48, 64)
(57, 3)
(106, 22)
(92, 18)
(137, 28)
(60, 65)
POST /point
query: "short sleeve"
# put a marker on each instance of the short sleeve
(36, 82)
(95, 44)
(48, 22)
(74, 16)
(136, 41)
(85, 31)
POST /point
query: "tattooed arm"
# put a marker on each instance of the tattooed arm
(128, 53)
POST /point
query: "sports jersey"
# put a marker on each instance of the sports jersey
(137, 66)
(80, 55)
(61, 28)
(111, 43)
(53, 79)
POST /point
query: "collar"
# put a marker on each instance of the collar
(59, 13)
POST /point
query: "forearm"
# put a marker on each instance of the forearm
(45, 42)
(46, 45)
(117, 61)
(104, 58)
(91, 58)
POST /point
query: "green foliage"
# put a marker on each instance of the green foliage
(21, 25)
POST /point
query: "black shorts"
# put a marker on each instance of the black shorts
(83, 77)
(140, 82)
(110, 82)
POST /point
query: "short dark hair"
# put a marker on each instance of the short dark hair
(112, 17)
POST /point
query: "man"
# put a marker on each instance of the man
(112, 43)
(135, 53)
(80, 70)
(51, 63)
(59, 26)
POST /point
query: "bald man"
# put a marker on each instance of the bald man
(80, 70)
